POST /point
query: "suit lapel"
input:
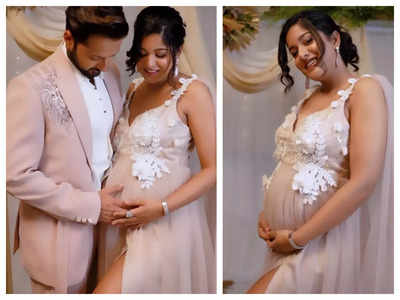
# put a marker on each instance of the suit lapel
(73, 99)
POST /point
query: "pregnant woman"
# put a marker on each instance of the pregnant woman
(167, 244)
(328, 206)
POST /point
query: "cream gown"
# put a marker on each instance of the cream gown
(173, 254)
(313, 163)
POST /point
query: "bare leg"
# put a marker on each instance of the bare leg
(112, 280)
(261, 284)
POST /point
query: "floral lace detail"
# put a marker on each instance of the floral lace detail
(311, 179)
(145, 148)
(147, 163)
(306, 150)
(53, 101)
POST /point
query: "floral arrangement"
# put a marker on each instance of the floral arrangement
(242, 23)
(349, 16)
(240, 26)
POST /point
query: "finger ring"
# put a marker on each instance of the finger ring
(129, 214)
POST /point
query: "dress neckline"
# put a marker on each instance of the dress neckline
(343, 96)
(174, 96)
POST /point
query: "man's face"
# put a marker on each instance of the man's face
(92, 56)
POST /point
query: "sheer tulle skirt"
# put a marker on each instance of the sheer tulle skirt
(173, 254)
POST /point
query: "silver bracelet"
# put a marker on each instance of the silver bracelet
(293, 244)
(165, 207)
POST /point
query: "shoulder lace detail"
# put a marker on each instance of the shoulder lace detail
(131, 90)
(176, 94)
(344, 94)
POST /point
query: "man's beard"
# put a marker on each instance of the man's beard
(90, 73)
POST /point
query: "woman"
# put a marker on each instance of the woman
(328, 206)
(168, 247)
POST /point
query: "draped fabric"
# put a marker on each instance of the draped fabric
(37, 31)
(377, 227)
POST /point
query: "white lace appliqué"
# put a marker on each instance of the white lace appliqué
(312, 178)
(147, 165)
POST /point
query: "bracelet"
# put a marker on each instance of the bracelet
(165, 207)
(293, 244)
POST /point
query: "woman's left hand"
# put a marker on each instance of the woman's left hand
(278, 241)
(144, 212)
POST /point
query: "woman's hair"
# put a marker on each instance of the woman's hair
(108, 21)
(163, 20)
(314, 21)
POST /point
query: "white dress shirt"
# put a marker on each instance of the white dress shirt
(99, 107)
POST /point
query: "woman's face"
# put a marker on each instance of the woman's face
(306, 53)
(156, 60)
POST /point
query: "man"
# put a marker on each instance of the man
(60, 114)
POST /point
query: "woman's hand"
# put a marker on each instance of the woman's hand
(144, 212)
(263, 227)
(278, 241)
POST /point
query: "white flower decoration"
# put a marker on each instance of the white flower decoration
(338, 127)
(311, 180)
(147, 167)
(334, 104)
(266, 181)
(344, 150)
(353, 80)
(147, 163)
(171, 123)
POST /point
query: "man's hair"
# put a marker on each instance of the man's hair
(108, 21)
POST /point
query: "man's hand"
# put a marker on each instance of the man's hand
(110, 204)
(143, 212)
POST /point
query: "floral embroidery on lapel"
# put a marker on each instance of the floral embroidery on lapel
(53, 101)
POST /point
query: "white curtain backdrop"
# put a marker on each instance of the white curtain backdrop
(250, 121)
(44, 25)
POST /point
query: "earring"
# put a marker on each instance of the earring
(337, 56)
(176, 71)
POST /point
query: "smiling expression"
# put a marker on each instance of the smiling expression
(304, 48)
(156, 59)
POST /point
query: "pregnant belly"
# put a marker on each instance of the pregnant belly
(121, 173)
(284, 208)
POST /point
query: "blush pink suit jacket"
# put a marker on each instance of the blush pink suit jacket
(49, 149)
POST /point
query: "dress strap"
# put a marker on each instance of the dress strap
(345, 94)
(131, 90)
(176, 94)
